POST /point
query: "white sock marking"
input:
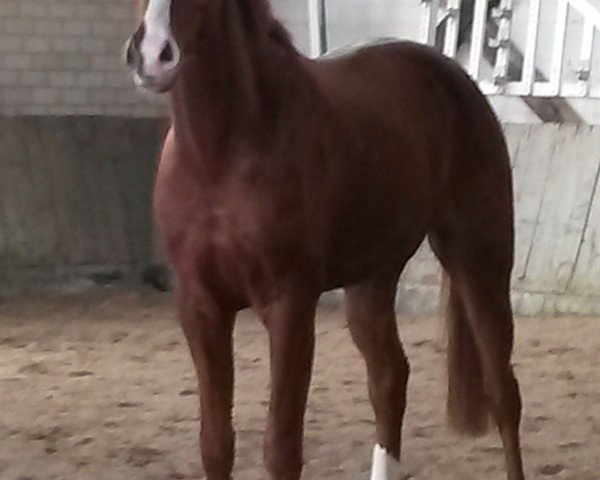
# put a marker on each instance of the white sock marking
(385, 466)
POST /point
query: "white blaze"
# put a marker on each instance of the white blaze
(157, 31)
(385, 466)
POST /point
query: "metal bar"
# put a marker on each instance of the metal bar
(531, 44)
(317, 27)
(528, 86)
(477, 36)
(587, 42)
(574, 90)
(503, 38)
(587, 47)
(451, 37)
(587, 10)
(558, 48)
(594, 91)
(488, 88)
(442, 16)
(544, 89)
(541, 89)
(323, 34)
(516, 89)
(429, 21)
(512, 89)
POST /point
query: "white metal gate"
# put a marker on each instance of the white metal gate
(444, 16)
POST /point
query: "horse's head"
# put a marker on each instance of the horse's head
(154, 51)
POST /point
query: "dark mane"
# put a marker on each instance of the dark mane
(258, 20)
(280, 35)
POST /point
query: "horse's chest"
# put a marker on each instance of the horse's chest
(235, 243)
(231, 238)
(217, 235)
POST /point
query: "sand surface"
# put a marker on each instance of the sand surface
(101, 386)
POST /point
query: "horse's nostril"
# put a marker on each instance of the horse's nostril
(133, 57)
(166, 55)
(130, 54)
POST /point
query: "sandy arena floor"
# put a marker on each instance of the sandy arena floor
(101, 387)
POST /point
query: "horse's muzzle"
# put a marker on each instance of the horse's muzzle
(154, 61)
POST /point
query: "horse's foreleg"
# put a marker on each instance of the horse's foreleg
(290, 323)
(209, 331)
(372, 323)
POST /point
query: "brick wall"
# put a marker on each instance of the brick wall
(63, 57)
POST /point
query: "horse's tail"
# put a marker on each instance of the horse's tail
(468, 409)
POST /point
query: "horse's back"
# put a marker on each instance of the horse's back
(437, 115)
(412, 85)
(431, 151)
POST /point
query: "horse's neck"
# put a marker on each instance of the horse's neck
(228, 92)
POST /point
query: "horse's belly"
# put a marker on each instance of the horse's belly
(361, 254)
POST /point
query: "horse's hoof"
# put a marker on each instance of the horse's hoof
(386, 467)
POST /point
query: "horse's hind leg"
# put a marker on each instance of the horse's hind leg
(372, 323)
(481, 328)
(209, 331)
(488, 307)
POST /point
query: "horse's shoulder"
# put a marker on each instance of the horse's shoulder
(168, 155)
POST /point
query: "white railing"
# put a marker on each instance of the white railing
(317, 27)
(436, 15)
(446, 13)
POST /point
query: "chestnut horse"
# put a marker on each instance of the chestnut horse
(284, 177)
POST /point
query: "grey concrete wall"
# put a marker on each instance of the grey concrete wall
(74, 196)
(75, 202)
